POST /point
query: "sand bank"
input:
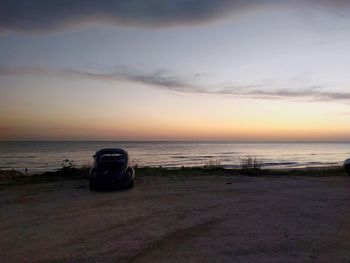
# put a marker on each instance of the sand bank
(179, 219)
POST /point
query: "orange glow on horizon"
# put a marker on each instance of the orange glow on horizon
(167, 116)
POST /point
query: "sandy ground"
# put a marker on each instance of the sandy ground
(195, 219)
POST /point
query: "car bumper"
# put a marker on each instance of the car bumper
(103, 182)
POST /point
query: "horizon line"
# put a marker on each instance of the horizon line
(193, 141)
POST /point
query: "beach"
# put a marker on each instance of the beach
(194, 218)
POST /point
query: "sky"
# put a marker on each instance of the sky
(175, 70)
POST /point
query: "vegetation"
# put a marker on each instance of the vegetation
(250, 163)
(210, 164)
(250, 168)
(68, 167)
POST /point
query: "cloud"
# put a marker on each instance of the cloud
(166, 81)
(158, 79)
(45, 16)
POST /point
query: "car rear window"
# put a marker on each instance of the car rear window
(111, 157)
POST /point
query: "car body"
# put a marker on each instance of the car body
(111, 169)
(347, 165)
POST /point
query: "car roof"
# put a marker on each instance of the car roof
(111, 150)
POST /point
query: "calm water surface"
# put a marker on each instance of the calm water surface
(44, 156)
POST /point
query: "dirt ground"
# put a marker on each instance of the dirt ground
(172, 219)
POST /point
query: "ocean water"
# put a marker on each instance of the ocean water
(46, 156)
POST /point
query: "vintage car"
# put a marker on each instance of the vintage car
(111, 169)
(347, 165)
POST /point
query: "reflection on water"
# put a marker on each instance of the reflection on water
(43, 156)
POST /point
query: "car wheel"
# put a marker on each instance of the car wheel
(131, 185)
(92, 185)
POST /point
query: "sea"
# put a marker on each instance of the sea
(44, 156)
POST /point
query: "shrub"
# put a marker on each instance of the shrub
(212, 164)
(250, 163)
(67, 164)
(68, 167)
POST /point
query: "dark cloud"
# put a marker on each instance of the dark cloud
(165, 81)
(44, 15)
(50, 15)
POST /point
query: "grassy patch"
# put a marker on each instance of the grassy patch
(219, 171)
(8, 178)
(13, 178)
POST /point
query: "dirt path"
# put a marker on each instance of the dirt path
(195, 219)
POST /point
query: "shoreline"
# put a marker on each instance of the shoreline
(50, 156)
(13, 177)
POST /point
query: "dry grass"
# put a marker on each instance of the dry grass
(212, 164)
(250, 163)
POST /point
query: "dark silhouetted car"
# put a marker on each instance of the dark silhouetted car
(347, 166)
(111, 169)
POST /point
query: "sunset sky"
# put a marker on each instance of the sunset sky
(175, 70)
